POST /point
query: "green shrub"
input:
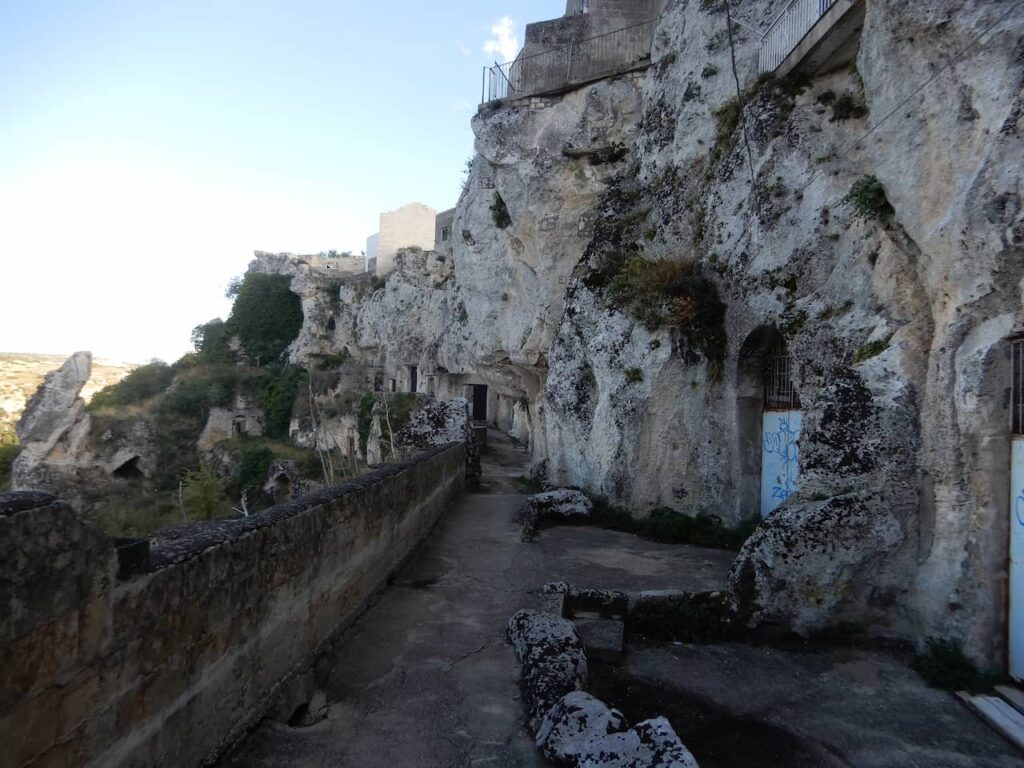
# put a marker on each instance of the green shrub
(672, 527)
(8, 453)
(499, 212)
(868, 199)
(202, 495)
(695, 618)
(871, 349)
(634, 375)
(135, 512)
(847, 107)
(266, 316)
(212, 342)
(142, 384)
(671, 294)
(944, 665)
(278, 397)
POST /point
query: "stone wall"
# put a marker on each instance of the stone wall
(411, 226)
(445, 221)
(169, 666)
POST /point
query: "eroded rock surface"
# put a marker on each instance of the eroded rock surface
(552, 658)
(650, 743)
(576, 719)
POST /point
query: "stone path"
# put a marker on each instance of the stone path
(424, 679)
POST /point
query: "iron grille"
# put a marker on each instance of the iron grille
(1017, 393)
(779, 390)
(548, 71)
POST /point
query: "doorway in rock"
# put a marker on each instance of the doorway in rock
(768, 423)
(479, 402)
(413, 378)
(1016, 612)
(780, 431)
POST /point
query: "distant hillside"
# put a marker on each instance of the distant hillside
(21, 375)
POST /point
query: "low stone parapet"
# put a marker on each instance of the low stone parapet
(168, 665)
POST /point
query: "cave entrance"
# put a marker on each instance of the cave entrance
(129, 470)
(239, 426)
(769, 421)
(479, 396)
(1016, 617)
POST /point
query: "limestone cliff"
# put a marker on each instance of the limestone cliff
(868, 218)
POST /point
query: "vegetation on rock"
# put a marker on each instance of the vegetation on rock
(943, 664)
(8, 453)
(499, 212)
(672, 527)
(673, 294)
(868, 199)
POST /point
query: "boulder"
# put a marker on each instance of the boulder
(573, 722)
(650, 743)
(553, 660)
(564, 505)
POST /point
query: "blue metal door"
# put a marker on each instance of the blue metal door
(1016, 617)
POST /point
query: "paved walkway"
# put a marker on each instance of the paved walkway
(425, 679)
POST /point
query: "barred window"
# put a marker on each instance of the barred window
(779, 388)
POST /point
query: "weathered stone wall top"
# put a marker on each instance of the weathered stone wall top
(169, 667)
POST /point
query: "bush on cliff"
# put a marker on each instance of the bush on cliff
(672, 294)
(8, 453)
(266, 317)
(142, 384)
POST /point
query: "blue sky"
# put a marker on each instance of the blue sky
(147, 148)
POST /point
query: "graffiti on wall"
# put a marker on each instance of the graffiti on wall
(780, 458)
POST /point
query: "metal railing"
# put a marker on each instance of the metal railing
(788, 29)
(578, 62)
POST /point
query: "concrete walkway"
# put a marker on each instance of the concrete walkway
(425, 680)
(425, 677)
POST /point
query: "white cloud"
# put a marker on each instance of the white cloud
(505, 41)
(463, 48)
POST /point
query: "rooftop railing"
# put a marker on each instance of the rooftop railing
(579, 62)
(789, 28)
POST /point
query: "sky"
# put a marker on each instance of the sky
(147, 148)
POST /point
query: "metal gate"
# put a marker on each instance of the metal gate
(1016, 617)
(780, 432)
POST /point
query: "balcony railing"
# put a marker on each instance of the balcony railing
(789, 28)
(579, 62)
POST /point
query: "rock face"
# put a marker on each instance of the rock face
(21, 375)
(576, 719)
(652, 742)
(867, 225)
(53, 425)
(57, 453)
(552, 657)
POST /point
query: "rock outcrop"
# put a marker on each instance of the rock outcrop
(552, 658)
(578, 718)
(564, 505)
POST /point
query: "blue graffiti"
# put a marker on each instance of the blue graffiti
(1019, 508)
(783, 443)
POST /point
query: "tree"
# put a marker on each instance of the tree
(202, 494)
(266, 317)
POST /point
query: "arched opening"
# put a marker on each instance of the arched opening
(129, 470)
(239, 426)
(768, 423)
(331, 325)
